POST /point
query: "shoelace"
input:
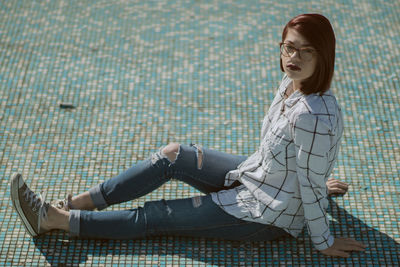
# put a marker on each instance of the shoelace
(64, 204)
(36, 201)
(61, 203)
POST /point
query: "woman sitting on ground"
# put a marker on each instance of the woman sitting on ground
(271, 194)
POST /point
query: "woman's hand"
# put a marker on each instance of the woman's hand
(342, 246)
(336, 187)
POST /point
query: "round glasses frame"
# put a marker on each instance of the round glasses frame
(305, 53)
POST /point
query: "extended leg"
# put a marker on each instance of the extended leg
(197, 217)
(194, 217)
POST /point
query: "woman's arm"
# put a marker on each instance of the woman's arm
(312, 139)
(341, 246)
(312, 144)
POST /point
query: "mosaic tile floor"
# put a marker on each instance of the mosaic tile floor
(145, 73)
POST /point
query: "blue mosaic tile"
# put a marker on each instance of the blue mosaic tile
(142, 74)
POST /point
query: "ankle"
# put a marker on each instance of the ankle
(82, 202)
(56, 219)
(50, 222)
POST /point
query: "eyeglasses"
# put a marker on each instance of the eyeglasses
(305, 53)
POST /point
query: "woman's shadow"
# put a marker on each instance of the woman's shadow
(60, 250)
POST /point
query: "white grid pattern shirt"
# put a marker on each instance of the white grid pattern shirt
(284, 182)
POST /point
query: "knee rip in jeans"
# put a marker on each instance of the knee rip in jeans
(161, 155)
(199, 155)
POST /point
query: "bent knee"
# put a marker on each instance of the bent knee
(171, 151)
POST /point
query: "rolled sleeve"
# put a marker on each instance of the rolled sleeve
(312, 144)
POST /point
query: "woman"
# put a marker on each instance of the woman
(269, 195)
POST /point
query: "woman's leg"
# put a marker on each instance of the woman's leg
(194, 217)
(203, 168)
(206, 173)
(198, 216)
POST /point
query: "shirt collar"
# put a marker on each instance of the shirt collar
(294, 97)
(284, 84)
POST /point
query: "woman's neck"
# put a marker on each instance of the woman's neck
(296, 85)
(289, 90)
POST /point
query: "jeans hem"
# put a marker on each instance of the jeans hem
(97, 197)
(74, 222)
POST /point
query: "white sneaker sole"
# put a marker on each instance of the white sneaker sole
(15, 181)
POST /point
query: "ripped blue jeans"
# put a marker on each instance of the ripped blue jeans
(194, 217)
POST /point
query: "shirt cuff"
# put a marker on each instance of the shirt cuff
(326, 244)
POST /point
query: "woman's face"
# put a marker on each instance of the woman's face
(295, 67)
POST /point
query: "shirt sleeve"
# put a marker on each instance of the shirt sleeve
(312, 144)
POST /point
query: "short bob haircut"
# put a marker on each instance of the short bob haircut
(317, 30)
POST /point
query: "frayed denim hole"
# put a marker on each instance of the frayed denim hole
(160, 154)
(199, 151)
(197, 201)
(167, 208)
(146, 227)
(159, 160)
(155, 157)
(176, 156)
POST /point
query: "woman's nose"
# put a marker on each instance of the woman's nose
(295, 54)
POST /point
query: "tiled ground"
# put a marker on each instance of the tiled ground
(145, 73)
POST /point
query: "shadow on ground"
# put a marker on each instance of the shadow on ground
(59, 250)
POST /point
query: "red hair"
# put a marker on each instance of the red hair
(317, 30)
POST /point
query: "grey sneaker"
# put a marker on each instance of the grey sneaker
(31, 207)
(63, 204)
